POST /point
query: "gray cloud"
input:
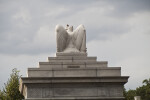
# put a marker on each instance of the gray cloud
(27, 30)
(21, 20)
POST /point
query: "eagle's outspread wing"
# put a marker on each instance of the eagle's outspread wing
(79, 36)
(61, 38)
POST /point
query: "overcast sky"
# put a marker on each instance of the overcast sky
(118, 31)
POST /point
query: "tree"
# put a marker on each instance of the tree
(130, 94)
(2, 97)
(11, 90)
(143, 91)
(147, 92)
(124, 93)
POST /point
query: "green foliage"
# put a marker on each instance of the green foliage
(143, 91)
(125, 93)
(130, 94)
(2, 97)
(11, 90)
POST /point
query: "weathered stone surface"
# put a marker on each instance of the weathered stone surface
(80, 98)
(77, 61)
(100, 80)
(74, 71)
(111, 71)
(72, 59)
(73, 77)
(96, 87)
(36, 72)
(70, 41)
(62, 54)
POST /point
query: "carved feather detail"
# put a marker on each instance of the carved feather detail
(70, 41)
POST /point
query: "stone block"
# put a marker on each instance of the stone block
(116, 91)
(96, 64)
(75, 73)
(50, 65)
(37, 72)
(79, 98)
(110, 91)
(58, 54)
(72, 59)
(70, 88)
(33, 92)
(39, 91)
(114, 71)
(103, 91)
(73, 65)
(75, 92)
(60, 59)
(84, 59)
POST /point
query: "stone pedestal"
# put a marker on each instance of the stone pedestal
(73, 76)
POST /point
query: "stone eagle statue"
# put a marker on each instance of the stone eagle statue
(69, 41)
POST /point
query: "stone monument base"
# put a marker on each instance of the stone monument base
(72, 76)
